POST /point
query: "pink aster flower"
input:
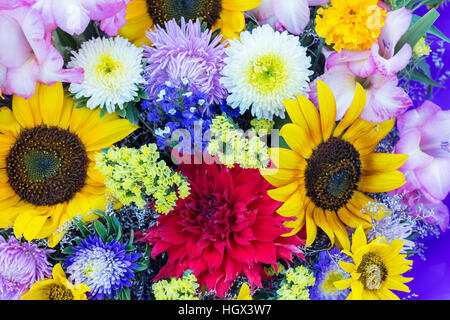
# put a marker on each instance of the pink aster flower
(385, 100)
(180, 53)
(290, 15)
(425, 137)
(27, 54)
(21, 265)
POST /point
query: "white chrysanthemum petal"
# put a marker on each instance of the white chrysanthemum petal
(263, 69)
(112, 69)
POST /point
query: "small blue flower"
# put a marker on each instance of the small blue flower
(104, 267)
(179, 107)
(326, 271)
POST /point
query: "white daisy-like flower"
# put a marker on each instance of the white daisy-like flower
(112, 71)
(263, 69)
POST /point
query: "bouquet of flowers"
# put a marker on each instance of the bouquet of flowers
(220, 149)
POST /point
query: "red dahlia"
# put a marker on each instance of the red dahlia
(226, 227)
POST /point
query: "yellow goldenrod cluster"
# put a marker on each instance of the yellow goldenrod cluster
(233, 146)
(350, 24)
(422, 48)
(262, 126)
(296, 283)
(184, 288)
(131, 174)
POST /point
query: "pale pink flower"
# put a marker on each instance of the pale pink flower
(425, 137)
(290, 15)
(385, 100)
(27, 54)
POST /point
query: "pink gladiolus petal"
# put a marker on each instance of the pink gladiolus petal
(396, 24)
(14, 47)
(359, 62)
(22, 80)
(391, 65)
(409, 144)
(342, 83)
(70, 16)
(385, 100)
(434, 178)
(293, 14)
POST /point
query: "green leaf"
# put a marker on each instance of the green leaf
(418, 75)
(67, 251)
(101, 230)
(66, 39)
(432, 30)
(103, 111)
(418, 30)
(84, 231)
(132, 113)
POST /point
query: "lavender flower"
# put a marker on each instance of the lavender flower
(327, 270)
(179, 52)
(104, 267)
(21, 265)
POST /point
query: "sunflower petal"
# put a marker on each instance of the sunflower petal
(297, 139)
(327, 107)
(311, 228)
(381, 162)
(312, 118)
(322, 223)
(343, 284)
(382, 182)
(240, 5)
(283, 193)
(339, 229)
(285, 158)
(51, 100)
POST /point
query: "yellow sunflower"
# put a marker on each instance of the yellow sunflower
(322, 177)
(57, 288)
(377, 269)
(225, 15)
(47, 166)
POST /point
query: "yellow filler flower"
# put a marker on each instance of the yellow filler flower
(321, 179)
(350, 24)
(47, 165)
(377, 269)
(226, 15)
(57, 288)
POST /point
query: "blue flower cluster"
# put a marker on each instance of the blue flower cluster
(179, 107)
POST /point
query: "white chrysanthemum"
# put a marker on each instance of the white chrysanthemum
(112, 70)
(263, 69)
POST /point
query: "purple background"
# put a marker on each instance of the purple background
(432, 277)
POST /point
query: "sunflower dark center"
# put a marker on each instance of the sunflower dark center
(164, 10)
(47, 165)
(332, 174)
(58, 292)
(373, 271)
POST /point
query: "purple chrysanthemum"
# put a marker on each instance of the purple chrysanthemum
(21, 265)
(104, 267)
(185, 52)
(326, 271)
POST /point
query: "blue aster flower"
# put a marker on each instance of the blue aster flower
(326, 271)
(104, 267)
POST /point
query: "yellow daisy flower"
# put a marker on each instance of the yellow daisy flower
(321, 179)
(57, 288)
(47, 165)
(377, 269)
(225, 15)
